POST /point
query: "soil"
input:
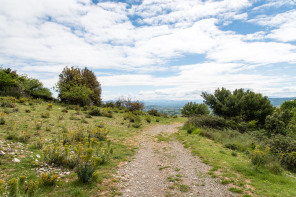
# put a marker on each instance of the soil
(163, 167)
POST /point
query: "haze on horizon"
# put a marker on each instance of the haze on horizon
(152, 49)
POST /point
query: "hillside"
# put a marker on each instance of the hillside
(43, 144)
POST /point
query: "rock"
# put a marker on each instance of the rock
(38, 156)
(2, 153)
(15, 160)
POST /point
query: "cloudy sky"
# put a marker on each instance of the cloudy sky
(155, 49)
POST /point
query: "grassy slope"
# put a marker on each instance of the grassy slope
(20, 123)
(236, 169)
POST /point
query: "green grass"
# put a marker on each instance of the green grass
(26, 131)
(239, 168)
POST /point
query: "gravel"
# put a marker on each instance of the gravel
(166, 168)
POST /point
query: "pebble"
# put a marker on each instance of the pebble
(2, 153)
(16, 160)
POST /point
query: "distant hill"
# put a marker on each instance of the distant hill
(173, 107)
(278, 101)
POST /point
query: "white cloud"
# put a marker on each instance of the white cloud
(41, 37)
(284, 25)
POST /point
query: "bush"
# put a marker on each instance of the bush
(148, 119)
(95, 111)
(259, 157)
(289, 161)
(45, 115)
(2, 121)
(153, 112)
(2, 187)
(282, 144)
(213, 122)
(194, 109)
(85, 172)
(12, 187)
(48, 180)
(277, 122)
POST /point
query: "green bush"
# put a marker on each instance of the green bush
(281, 144)
(12, 187)
(194, 109)
(153, 112)
(259, 157)
(48, 179)
(95, 111)
(213, 122)
(289, 161)
(85, 172)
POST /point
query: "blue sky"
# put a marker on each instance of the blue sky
(155, 49)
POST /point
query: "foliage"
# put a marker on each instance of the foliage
(48, 179)
(289, 160)
(2, 187)
(259, 157)
(245, 104)
(95, 111)
(277, 122)
(193, 109)
(79, 86)
(153, 112)
(31, 188)
(12, 84)
(289, 105)
(214, 122)
(12, 187)
(85, 172)
(282, 144)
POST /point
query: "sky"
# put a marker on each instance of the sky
(155, 49)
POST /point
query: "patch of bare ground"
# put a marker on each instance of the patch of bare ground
(163, 167)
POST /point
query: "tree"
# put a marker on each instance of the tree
(12, 84)
(79, 86)
(193, 109)
(245, 105)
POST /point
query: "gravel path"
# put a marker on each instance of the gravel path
(166, 168)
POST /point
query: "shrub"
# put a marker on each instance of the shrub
(282, 144)
(49, 106)
(2, 121)
(95, 111)
(8, 104)
(31, 188)
(259, 157)
(85, 172)
(153, 112)
(137, 125)
(12, 187)
(2, 187)
(45, 115)
(148, 119)
(48, 180)
(289, 161)
(194, 109)
(277, 122)
(28, 111)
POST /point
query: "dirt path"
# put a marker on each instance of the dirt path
(163, 167)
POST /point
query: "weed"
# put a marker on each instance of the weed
(48, 179)
(12, 187)
(45, 115)
(182, 187)
(235, 190)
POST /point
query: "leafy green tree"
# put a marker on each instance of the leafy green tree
(79, 86)
(194, 109)
(246, 105)
(12, 84)
(289, 105)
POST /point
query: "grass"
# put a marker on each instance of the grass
(30, 128)
(238, 170)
